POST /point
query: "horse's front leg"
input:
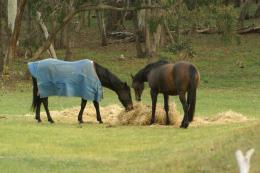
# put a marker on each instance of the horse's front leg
(154, 94)
(166, 108)
(185, 121)
(45, 104)
(96, 104)
(83, 105)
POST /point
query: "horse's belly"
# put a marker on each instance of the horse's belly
(172, 92)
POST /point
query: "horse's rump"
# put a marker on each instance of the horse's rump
(61, 78)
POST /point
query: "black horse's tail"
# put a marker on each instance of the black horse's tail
(194, 81)
(35, 92)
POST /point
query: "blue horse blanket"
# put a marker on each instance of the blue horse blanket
(62, 78)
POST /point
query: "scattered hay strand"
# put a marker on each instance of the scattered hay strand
(221, 118)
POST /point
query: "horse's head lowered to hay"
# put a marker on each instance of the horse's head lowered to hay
(141, 115)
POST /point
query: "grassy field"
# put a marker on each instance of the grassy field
(26, 146)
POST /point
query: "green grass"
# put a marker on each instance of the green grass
(26, 146)
(210, 101)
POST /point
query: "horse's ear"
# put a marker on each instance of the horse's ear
(125, 83)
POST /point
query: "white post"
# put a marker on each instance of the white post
(244, 161)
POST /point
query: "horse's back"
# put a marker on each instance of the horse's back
(63, 78)
(172, 78)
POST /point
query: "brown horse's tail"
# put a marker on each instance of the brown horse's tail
(35, 92)
(194, 81)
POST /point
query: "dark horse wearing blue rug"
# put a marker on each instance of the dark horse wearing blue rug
(79, 78)
(169, 79)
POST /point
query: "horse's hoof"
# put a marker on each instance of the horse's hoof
(100, 122)
(184, 125)
(81, 121)
(51, 121)
(39, 120)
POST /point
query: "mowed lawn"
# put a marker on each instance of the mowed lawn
(29, 147)
(26, 146)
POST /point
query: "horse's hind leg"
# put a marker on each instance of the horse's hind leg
(185, 121)
(96, 104)
(45, 104)
(83, 105)
(166, 108)
(154, 94)
(38, 109)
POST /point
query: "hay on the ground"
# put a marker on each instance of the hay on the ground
(140, 115)
(221, 118)
(116, 115)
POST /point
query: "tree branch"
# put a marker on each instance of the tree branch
(82, 8)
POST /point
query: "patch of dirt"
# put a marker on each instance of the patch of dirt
(114, 115)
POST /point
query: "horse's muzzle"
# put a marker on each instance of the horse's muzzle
(137, 97)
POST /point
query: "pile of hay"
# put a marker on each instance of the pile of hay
(116, 115)
(140, 115)
(108, 114)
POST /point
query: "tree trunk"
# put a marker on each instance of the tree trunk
(67, 42)
(237, 3)
(12, 10)
(148, 51)
(166, 28)
(157, 39)
(102, 28)
(82, 21)
(11, 50)
(244, 12)
(89, 18)
(249, 30)
(44, 29)
(257, 12)
(138, 33)
(152, 38)
(67, 38)
(113, 17)
(29, 19)
(1, 40)
(53, 26)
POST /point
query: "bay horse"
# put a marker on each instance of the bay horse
(169, 79)
(107, 79)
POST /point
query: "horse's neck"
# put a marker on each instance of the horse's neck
(108, 79)
(142, 75)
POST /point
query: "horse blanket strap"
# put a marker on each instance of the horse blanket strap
(62, 78)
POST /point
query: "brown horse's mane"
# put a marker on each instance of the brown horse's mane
(141, 76)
